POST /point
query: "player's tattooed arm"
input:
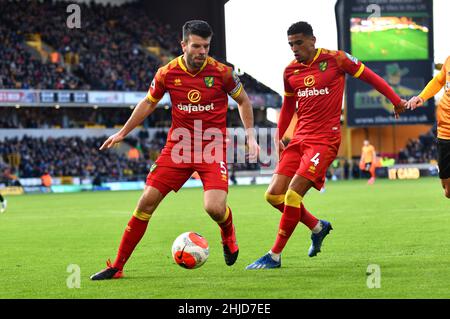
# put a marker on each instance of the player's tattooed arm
(143, 109)
(246, 114)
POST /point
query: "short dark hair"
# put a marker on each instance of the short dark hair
(301, 27)
(197, 27)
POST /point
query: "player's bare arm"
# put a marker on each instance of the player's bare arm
(246, 114)
(143, 109)
(286, 115)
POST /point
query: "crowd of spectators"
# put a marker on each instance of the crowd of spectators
(31, 157)
(32, 117)
(107, 117)
(74, 156)
(19, 69)
(421, 150)
(50, 117)
(70, 156)
(108, 52)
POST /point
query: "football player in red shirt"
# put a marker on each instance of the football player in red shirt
(199, 87)
(314, 83)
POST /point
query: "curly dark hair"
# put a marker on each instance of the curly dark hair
(301, 27)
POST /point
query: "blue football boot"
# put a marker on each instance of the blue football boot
(318, 238)
(265, 262)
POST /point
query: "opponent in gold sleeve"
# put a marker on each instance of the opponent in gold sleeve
(443, 120)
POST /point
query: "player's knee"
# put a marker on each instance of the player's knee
(274, 200)
(149, 201)
(216, 210)
(147, 206)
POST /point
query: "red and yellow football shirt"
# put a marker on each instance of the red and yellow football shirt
(318, 88)
(199, 101)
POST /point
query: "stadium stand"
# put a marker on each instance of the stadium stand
(421, 150)
(121, 49)
(73, 156)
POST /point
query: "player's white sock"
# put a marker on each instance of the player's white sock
(274, 256)
(317, 228)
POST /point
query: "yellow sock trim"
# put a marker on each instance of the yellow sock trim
(274, 199)
(227, 213)
(142, 215)
(293, 199)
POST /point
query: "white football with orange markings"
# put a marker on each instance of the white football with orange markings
(190, 250)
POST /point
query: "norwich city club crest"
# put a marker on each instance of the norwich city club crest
(209, 81)
(323, 66)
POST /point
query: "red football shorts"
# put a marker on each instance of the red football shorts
(165, 175)
(309, 158)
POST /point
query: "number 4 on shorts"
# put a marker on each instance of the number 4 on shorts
(315, 159)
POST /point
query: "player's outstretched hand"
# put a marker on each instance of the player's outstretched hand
(253, 149)
(400, 108)
(414, 103)
(113, 139)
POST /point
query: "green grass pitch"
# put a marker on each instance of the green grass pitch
(390, 45)
(401, 226)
